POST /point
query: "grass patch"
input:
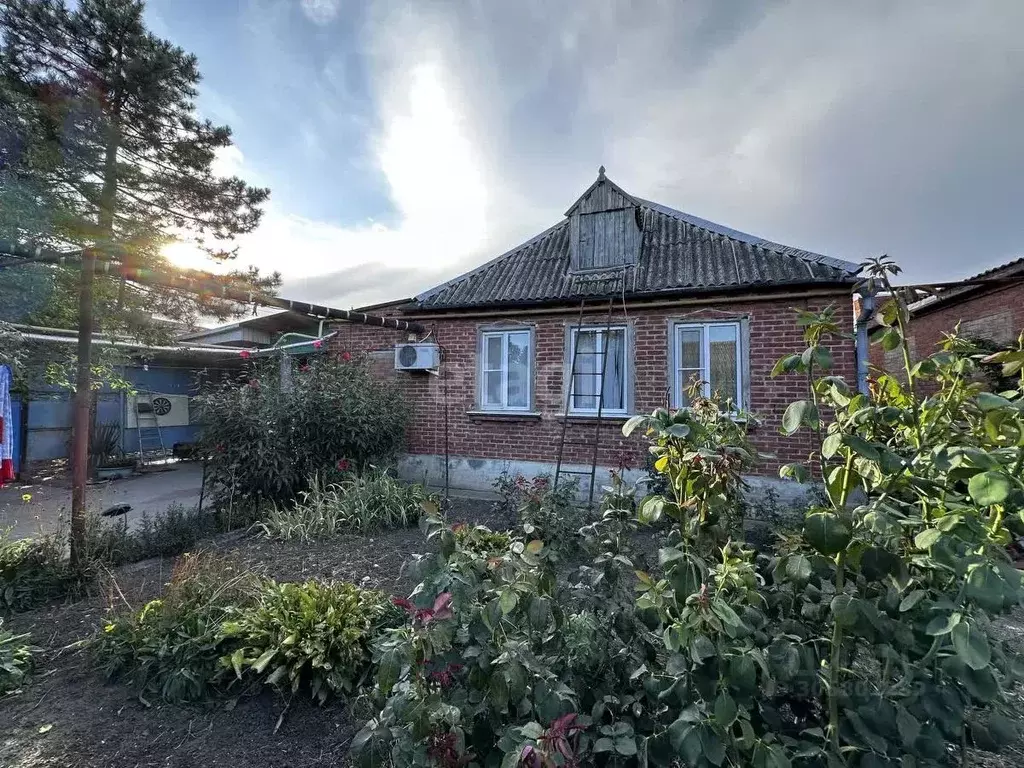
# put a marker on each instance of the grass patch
(372, 502)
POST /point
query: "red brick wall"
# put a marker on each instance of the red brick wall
(996, 315)
(772, 333)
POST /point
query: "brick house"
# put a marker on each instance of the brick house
(989, 310)
(689, 298)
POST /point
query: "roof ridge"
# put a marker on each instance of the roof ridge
(745, 237)
(511, 252)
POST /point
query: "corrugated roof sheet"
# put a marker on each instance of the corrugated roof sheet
(679, 253)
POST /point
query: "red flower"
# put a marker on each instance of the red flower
(440, 610)
(318, 343)
(343, 465)
(403, 603)
(220, 448)
(346, 357)
(445, 677)
(304, 368)
(245, 354)
(458, 527)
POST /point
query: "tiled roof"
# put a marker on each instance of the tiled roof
(679, 254)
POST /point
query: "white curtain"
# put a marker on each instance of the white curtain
(589, 362)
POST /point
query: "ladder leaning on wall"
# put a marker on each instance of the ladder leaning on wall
(592, 443)
(151, 441)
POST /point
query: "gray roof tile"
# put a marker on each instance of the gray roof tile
(679, 253)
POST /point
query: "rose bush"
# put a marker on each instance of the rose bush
(864, 640)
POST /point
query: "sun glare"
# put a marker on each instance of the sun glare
(186, 255)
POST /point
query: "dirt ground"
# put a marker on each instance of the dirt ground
(68, 717)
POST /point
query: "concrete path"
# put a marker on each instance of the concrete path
(152, 492)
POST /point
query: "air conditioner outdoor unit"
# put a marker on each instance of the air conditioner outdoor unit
(417, 357)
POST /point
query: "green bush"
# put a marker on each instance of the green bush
(15, 659)
(218, 625)
(552, 514)
(311, 634)
(265, 441)
(173, 647)
(481, 540)
(865, 640)
(355, 504)
(32, 571)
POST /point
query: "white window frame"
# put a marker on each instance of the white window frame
(483, 370)
(626, 373)
(679, 385)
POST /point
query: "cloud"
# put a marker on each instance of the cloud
(851, 129)
(437, 188)
(320, 12)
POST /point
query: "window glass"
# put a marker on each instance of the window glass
(722, 373)
(505, 370)
(708, 353)
(600, 367)
(518, 370)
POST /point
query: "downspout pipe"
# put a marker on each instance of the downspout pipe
(867, 311)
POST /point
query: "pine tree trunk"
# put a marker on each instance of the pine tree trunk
(83, 387)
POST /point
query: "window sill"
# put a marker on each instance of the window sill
(592, 417)
(503, 415)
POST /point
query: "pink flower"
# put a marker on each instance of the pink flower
(346, 357)
(343, 465)
(318, 343)
(303, 368)
(254, 383)
(245, 354)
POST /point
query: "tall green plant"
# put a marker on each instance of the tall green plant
(923, 492)
(266, 439)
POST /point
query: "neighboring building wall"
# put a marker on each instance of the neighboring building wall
(479, 444)
(50, 411)
(996, 315)
(165, 381)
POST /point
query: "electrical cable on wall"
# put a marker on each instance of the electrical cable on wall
(443, 373)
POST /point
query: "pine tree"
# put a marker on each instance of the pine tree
(100, 134)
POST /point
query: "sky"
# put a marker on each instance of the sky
(407, 141)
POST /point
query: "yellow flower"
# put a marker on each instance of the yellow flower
(26, 497)
(109, 628)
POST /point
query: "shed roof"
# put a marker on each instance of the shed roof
(972, 285)
(679, 254)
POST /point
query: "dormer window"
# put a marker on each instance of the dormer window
(604, 227)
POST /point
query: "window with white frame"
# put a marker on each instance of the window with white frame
(711, 354)
(600, 365)
(505, 370)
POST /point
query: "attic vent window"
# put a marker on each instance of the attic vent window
(604, 227)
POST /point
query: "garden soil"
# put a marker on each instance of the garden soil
(67, 716)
